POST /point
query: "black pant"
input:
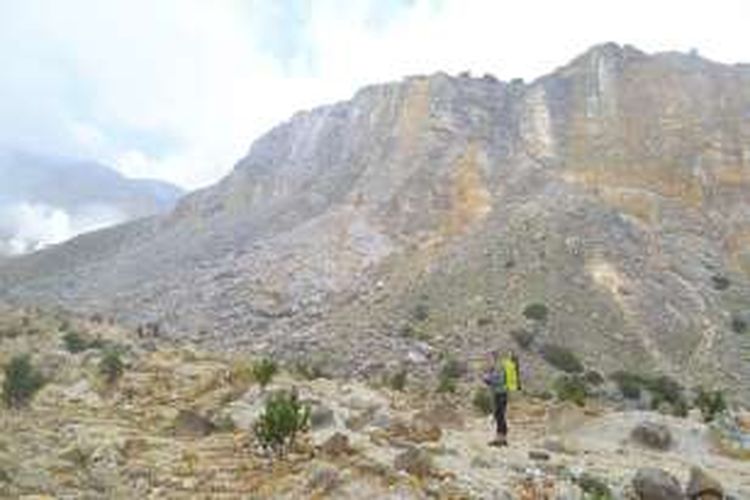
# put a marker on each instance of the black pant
(501, 404)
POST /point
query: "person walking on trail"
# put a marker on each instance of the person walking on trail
(501, 376)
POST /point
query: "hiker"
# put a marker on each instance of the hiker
(501, 376)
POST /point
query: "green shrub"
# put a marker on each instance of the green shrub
(571, 388)
(720, 282)
(711, 404)
(629, 384)
(450, 372)
(665, 389)
(421, 312)
(536, 312)
(111, 366)
(523, 338)
(263, 371)
(282, 419)
(397, 381)
(739, 325)
(75, 342)
(482, 401)
(594, 488)
(593, 377)
(21, 382)
(561, 358)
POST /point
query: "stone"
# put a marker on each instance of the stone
(656, 484)
(188, 423)
(701, 486)
(539, 455)
(415, 461)
(652, 435)
(321, 417)
(337, 445)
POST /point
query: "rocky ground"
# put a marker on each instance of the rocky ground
(177, 424)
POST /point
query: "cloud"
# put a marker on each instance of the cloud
(26, 227)
(177, 89)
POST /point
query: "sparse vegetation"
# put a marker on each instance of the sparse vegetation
(111, 366)
(593, 377)
(523, 338)
(450, 372)
(482, 401)
(283, 418)
(710, 403)
(720, 282)
(739, 325)
(74, 342)
(263, 371)
(594, 488)
(21, 382)
(571, 388)
(397, 381)
(629, 384)
(536, 312)
(561, 358)
(309, 370)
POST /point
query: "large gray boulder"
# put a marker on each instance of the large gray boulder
(656, 484)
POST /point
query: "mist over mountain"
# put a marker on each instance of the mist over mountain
(46, 200)
(430, 215)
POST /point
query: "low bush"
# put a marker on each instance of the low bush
(561, 358)
(283, 418)
(309, 370)
(593, 377)
(739, 325)
(21, 382)
(629, 384)
(536, 312)
(523, 338)
(397, 381)
(571, 388)
(710, 403)
(111, 366)
(482, 401)
(720, 282)
(75, 342)
(263, 371)
(450, 372)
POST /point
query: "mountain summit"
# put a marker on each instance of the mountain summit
(435, 214)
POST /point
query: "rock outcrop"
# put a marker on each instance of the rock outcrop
(423, 217)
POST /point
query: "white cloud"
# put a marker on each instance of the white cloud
(26, 227)
(177, 89)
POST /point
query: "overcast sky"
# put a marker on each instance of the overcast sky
(178, 89)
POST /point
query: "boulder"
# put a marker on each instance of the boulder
(415, 461)
(652, 435)
(337, 445)
(656, 484)
(321, 417)
(190, 424)
(701, 486)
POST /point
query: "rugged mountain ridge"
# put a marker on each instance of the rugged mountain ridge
(423, 216)
(62, 197)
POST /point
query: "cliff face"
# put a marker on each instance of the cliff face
(616, 191)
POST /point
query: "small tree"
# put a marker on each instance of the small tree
(111, 366)
(536, 312)
(21, 382)
(282, 419)
(561, 358)
(710, 403)
(571, 388)
(263, 371)
(74, 342)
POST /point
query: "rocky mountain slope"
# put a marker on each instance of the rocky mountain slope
(44, 200)
(426, 216)
(177, 423)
